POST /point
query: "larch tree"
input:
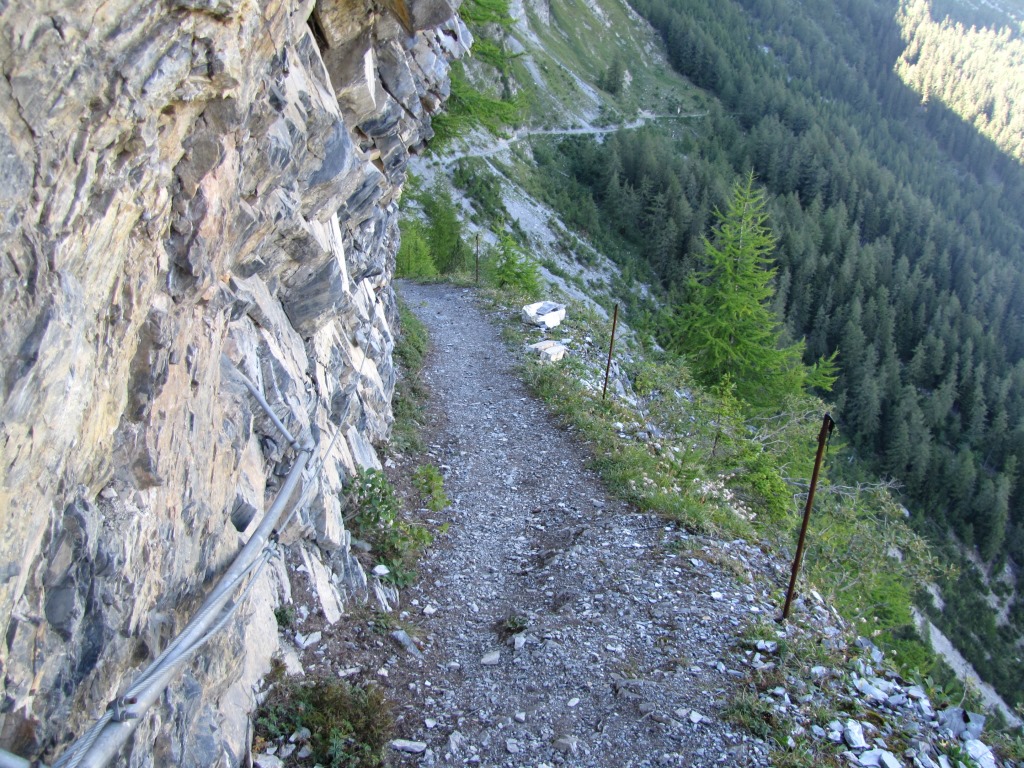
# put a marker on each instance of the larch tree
(726, 327)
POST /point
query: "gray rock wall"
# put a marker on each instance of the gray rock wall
(188, 187)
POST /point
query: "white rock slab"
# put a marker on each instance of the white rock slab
(410, 747)
(292, 663)
(549, 351)
(980, 753)
(546, 314)
(854, 735)
(330, 600)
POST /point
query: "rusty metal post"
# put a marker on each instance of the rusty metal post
(611, 346)
(827, 425)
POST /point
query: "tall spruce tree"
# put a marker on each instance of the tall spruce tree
(725, 326)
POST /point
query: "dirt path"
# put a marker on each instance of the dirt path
(558, 626)
(495, 146)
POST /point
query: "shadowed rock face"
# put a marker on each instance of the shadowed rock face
(189, 187)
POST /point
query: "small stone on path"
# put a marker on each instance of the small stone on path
(567, 744)
(411, 747)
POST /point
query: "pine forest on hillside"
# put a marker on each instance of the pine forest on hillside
(886, 162)
(891, 248)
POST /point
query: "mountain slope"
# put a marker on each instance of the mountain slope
(865, 202)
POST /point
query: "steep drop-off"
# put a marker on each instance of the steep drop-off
(190, 187)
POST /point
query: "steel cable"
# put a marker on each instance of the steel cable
(142, 692)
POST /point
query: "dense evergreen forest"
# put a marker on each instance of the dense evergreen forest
(970, 70)
(899, 243)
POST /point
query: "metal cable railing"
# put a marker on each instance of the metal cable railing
(102, 741)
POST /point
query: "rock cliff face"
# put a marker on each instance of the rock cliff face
(190, 188)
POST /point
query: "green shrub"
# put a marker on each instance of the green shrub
(514, 270)
(467, 108)
(413, 341)
(1009, 746)
(373, 502)
(350, 727)
(443, 231)
(764, 486)
(512, 624)
(474, 176)
(375, 514)
(430, 484)
(285, 616)
(748, 710)
(480, 12)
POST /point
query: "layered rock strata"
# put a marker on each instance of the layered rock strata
(191, 189)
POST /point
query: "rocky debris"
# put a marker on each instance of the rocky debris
(853, 735)
(549, 351)
(285, 751)
(307, 641)
(326, 591)
(568, 745)
(959, 723)
(202, 191)
(898, 725)
(546, 314)
(401, 637)
(267, 761)
(879, 757)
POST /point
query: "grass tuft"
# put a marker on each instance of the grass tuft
(411, 348)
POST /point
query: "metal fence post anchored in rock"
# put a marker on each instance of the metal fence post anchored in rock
(827, 425)
(611, 346)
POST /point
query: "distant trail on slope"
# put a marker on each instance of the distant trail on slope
(560, 625)
(501, 145)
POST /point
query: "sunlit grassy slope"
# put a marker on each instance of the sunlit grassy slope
(567, 48)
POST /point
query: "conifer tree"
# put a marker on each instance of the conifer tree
(444, 230)
(726, 327)
(413, 258)
(513, 269)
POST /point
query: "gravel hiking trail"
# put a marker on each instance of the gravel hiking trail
(557, 626)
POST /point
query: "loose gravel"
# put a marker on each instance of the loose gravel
(558, 626)
(551, 623)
